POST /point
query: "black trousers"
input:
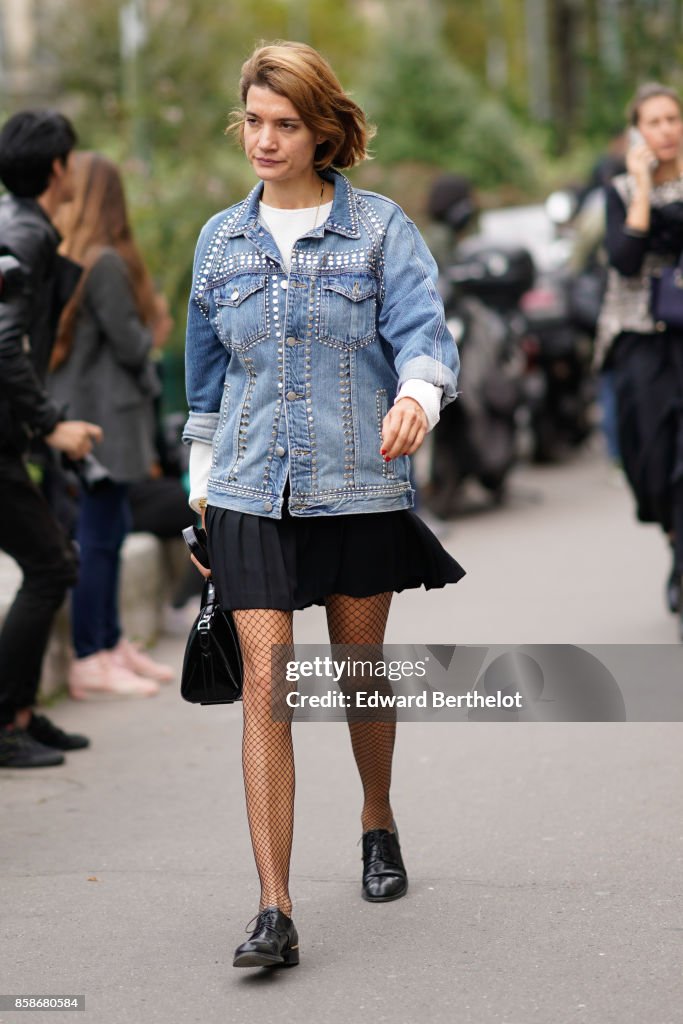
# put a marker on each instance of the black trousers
(32, 536)
(648, 379)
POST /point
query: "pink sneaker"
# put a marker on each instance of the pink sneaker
(98, 678)
(129, 656)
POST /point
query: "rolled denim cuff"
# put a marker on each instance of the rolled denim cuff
(200, 426)
(434, 372)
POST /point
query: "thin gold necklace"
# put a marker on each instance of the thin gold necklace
(317, 212)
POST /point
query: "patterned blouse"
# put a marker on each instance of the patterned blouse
(635, 256)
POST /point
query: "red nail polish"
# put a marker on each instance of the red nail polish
(383, 451)
(387, 459)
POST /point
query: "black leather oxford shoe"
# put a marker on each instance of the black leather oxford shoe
(273, 943)
(384, 874)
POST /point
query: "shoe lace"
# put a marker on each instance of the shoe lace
(379, 849)
(262, 920)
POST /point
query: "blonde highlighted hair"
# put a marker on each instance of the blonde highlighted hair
(300, 74)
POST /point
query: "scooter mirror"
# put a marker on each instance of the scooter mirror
(456, 325)
(560, 207)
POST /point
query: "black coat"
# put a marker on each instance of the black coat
(28, 323)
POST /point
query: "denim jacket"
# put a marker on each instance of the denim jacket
(291, 375)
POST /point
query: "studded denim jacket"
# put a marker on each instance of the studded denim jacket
(291, 375)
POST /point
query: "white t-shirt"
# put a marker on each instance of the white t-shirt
(286, 226)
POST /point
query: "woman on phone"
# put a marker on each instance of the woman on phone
(313, 303)
(101, 367)
(645, 234)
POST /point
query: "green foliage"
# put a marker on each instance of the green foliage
(162, 117)
(418, 69)
(429, 108)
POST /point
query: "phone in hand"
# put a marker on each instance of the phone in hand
(635, 138)
(195, 538)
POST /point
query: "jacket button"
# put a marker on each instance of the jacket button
(235, 295)
(280, 450)
(267, 506)
(291, 341)
(292, 396)
(284, 285)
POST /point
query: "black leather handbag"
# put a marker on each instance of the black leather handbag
(212, 666)
(667, 298)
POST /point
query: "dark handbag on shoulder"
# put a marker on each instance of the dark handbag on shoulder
(212, 666)
(667, 298)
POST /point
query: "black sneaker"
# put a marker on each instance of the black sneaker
(19, 750)
(47, 733)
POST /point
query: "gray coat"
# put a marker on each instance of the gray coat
(108, 378)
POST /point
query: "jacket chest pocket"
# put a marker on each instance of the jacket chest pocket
(242, 310)
(348, 310)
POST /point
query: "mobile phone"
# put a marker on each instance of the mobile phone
(635, 138)
(195, 538)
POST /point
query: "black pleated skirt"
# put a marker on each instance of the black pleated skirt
(648, 379)
(294, 562)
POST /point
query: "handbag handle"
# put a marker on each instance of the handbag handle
(208, 604)
(206, 617)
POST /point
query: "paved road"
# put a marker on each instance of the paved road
(545, 860)
(563, 562)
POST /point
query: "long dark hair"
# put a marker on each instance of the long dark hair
(97, 218)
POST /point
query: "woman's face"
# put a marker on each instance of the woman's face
(661, 125)
(279, 146)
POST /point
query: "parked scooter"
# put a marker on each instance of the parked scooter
(476, 435)
(559, 384)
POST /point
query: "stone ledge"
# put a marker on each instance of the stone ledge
(146, 571)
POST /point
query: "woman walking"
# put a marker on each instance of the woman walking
(101, 366)
(644, 235)
(312, 304)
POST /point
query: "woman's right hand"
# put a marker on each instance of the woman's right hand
(640, 162)
(206, 573)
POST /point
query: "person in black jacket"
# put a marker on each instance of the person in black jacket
(644, 235)
(35, 167)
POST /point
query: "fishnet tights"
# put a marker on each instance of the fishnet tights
(267, 755)
(267, 751)
(352, 621)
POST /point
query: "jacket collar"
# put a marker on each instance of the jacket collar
(343, 219)
(31, 209)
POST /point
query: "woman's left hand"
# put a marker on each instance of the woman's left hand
(403, 429)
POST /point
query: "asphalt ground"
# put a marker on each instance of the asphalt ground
(544, 859)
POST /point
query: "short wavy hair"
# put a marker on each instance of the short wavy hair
(299, 73)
